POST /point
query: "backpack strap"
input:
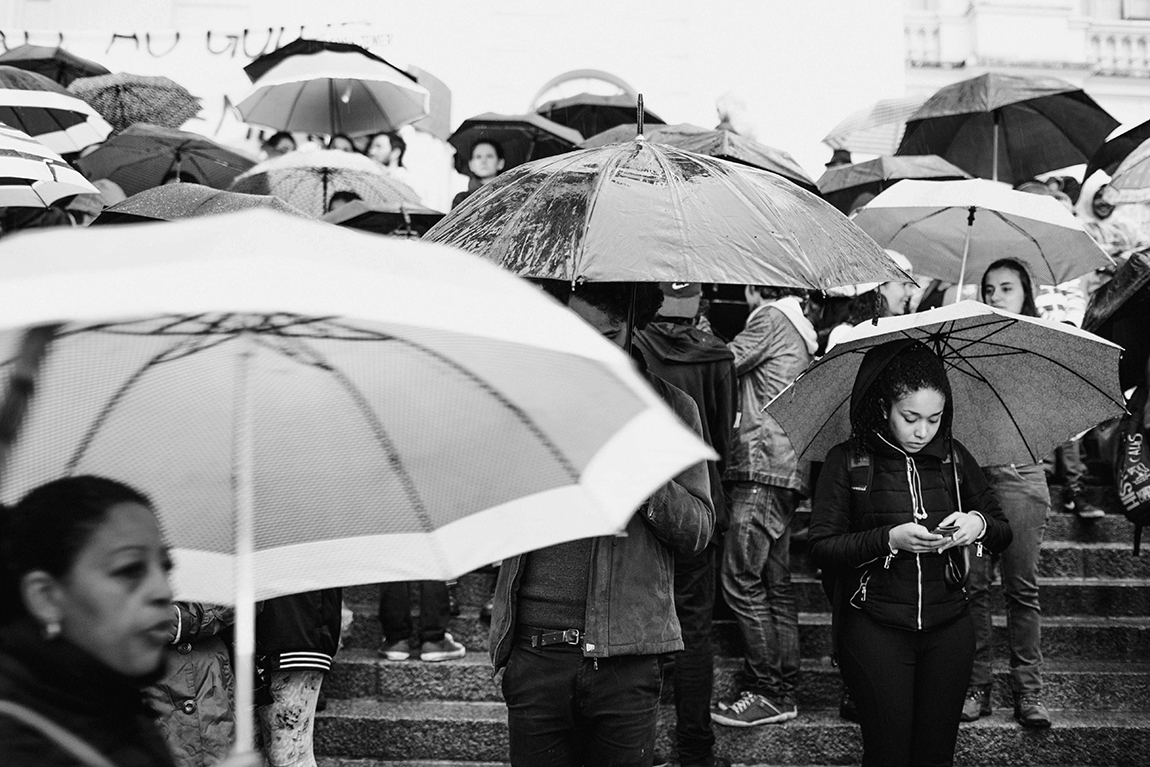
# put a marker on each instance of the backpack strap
(953, 478)
(861, 470)
(66, 740)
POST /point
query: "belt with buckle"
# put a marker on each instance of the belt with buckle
(538, 637)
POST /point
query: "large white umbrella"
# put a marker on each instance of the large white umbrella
(311, 407)
(953, 230)
(33, 176)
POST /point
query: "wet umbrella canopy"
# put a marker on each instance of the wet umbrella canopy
(1008, 128)
(175, 201)
(724, 144)
(523, 138)
(652, 213)
(142, 156)
(591, 114)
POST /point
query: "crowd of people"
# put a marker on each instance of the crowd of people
(99, 666)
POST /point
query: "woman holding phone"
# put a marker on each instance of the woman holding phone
(890, 503)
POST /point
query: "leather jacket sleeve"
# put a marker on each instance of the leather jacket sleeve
(200, 621)
(680, 512)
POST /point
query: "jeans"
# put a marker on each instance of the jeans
(694, 670)
(909, 686)
(564, 710)
(756, 580)
(1025, 499)
(395, 610)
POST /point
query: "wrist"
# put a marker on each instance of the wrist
(982, 519)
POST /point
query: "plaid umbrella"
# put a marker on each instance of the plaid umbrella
(524, 138)
(724, 144)
(142, 156)
(307, 180)
(175, 201)
(56, 64)
(1021, 385)
(591, 114)
(33, 176)
(1008, 128)
(125, 99)
(46, 111)
(876, 129)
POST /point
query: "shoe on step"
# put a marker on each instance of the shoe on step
(977, 703)
(445, 649)
(1030, 712)
(752, 709)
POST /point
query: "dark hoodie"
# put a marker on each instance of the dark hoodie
(851, 536)
(703, 367)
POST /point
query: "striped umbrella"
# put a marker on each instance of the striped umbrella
(33, 176)
(307, 180)
(142, 156)
(125, 99)
(46, 111)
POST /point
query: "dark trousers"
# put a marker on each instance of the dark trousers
(395, 610)
(909, 686)
(564, 710)
(694, 670)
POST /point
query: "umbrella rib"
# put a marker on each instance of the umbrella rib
(918, 221)
(1031, 237)
(523, 418)
(388, 123)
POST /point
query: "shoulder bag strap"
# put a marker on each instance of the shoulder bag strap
(66, 740)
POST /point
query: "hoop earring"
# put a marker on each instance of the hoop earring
(51, 630)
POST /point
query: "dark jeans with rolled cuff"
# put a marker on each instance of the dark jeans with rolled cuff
(395, 611)
(564, 710)
(694, 670)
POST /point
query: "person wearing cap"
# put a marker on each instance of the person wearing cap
(766, 481)
(893, 298)
(702, 366)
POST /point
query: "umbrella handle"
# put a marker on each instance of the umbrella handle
(994, 151)
(639, 128)
(965, 253)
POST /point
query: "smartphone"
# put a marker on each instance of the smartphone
(947, 530)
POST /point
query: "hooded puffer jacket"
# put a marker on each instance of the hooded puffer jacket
(850, 530)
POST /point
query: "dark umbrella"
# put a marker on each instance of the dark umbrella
(591, 114)
(1114, 151)
(724, 144)
(144, 155)
(125, 99)
(391, 218)
(175, 201)
(523, 137)
(842, 184)
(56, 64)
(1119, 311)
(1008, 128)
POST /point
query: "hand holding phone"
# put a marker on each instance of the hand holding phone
(947, 531)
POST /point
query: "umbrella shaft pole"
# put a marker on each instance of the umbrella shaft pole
(994, 151)
(245, 626)
(965, 255)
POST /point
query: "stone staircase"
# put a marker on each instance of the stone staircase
(1096, 642)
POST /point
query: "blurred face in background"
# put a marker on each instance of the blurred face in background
(381, 151)
(341, 143)
(485, 163)
(897, 296)
(1002, 289)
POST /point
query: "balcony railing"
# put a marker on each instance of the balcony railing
(922, 39)
(1121, 48)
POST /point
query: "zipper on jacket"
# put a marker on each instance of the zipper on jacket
(978, 548)
(918, 564)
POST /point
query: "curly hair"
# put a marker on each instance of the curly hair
(913, 369)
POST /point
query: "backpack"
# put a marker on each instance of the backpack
(1132, 466)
